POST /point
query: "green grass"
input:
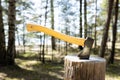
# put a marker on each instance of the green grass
(29, 68)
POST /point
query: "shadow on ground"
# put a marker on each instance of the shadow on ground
(28, 68)
(114, 69)
(18, 73)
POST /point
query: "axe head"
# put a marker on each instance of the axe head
(85, 53)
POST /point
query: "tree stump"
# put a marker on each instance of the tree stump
(79, 69)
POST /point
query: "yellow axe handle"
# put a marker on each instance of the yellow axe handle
(70, 39)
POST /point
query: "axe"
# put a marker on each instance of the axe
(85, 43)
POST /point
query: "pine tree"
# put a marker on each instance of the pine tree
(11, 38)
(114, 30)
(52, 23)
(106, 29)
(2, 40)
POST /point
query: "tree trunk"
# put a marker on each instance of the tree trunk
(106, 29)
(85, 19)
(114, 28)
(24, 41)
(40, 38)
(2, 40)
(95, 40)
(52, 23)
(81, 18)
(66, 48)
(40, 48)
(43, 50)
(11, 36)
(66, 43)
(77, 69)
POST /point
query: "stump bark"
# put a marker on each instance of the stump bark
(78, 69)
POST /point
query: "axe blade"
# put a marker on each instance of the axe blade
(85, 53)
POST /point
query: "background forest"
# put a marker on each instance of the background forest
(36, 53)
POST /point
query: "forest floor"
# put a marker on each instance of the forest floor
(28, 67)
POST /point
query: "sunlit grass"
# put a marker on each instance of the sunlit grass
(27, 64)
(112, 77)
